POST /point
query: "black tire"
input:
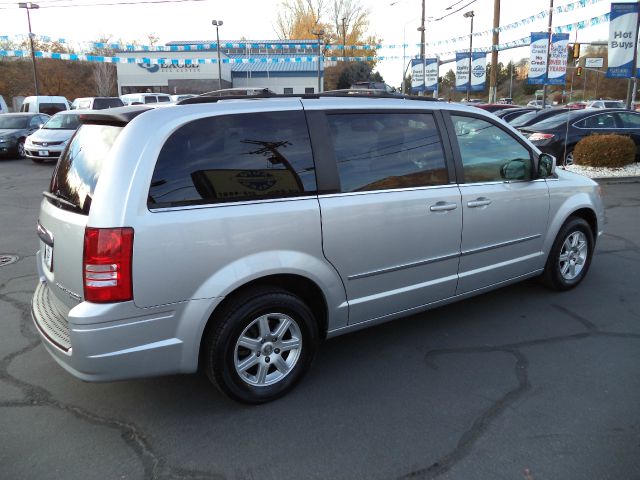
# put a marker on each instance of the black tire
(20, 153)
(222, 351)
(558, 273)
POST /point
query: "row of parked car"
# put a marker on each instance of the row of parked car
(557, 130)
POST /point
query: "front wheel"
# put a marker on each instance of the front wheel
(570, 256)
(260, 346)
(20, 150)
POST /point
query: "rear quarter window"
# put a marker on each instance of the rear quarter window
(238, 157)
(80, 165)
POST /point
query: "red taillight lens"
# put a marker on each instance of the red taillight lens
(106, 264)
(536, 137)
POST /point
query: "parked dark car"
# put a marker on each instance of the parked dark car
(534, 116)
(373, 86)
(512, 113)
(558, 135)
(15, 128)
(494, 107)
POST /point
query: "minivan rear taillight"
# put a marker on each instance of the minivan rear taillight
(106, 264)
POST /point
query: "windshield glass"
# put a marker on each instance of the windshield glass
(62, 122)
(80, 165)
(522, 119)
(13, 123)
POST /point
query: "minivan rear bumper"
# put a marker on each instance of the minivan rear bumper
(87, 341)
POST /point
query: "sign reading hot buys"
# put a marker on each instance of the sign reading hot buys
(623, 35)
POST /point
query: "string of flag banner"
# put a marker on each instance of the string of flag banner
(313, 45)
(524, 41)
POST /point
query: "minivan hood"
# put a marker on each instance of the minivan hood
(49, 135)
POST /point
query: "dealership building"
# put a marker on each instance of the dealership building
(247, 67)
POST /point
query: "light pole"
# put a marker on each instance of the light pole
(344, 35)
(28, 6)
(549, 45)
(218, 23)
(470, 15)
(319, 34)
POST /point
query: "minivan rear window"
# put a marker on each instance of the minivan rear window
(103, 103)
(79, 167)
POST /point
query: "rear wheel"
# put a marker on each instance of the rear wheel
(260, 346)
(570, 256)
(568, 157)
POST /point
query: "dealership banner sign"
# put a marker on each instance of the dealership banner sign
(538, 58)
(623, 36)
(558, 59)
(478, 71)
(431, 74)
(417, 75)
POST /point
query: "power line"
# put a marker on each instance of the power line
(107, 4)
(455, 11)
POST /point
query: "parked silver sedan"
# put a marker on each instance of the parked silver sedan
(52, 138)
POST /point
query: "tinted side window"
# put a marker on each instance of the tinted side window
(164, 99)
(234, 158)
(604, 120)
(378, 151)
(490, 154)
(629, 120)
(151, 99)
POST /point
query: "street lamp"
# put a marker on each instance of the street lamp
(319, 34)
(218, 23)
(470, 15)
(29, 6)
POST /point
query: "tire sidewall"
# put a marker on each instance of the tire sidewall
(553, 264)
(224, 349)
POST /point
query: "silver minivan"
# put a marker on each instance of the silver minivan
(234, 235)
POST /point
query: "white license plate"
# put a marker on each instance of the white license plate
(43, 153)
(48, 256)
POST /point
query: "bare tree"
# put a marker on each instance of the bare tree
(104, 77)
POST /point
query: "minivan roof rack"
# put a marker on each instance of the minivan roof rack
(349, 93)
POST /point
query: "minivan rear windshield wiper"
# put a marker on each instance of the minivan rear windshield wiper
(58, 199)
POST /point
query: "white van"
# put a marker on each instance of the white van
(144, 98)
(45, 104)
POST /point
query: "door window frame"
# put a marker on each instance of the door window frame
(455, 146)
(328, 180)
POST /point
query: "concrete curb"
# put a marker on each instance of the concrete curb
(616, 180)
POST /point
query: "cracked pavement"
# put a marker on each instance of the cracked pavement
(519, 383)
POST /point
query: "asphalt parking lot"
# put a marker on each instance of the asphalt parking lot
(520, 383)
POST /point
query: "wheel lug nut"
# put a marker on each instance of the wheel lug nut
(277, 350)
(258, 354)
(267, 359)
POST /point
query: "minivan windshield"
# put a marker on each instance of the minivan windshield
(79, 167)
(63, 122)
(13, 123)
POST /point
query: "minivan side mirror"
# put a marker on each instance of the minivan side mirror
(546, 165)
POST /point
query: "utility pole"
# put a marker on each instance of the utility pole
(470, 15)
(422, 40)
(344, 35)
(30, 6)
(546, 75)
(218, 23)
(319, 34)
(493, 81)
(633, 81)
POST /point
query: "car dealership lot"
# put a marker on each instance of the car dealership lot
(518, 383)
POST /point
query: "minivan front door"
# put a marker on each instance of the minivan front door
(393, 229)
(505, 212)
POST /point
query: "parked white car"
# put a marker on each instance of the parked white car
(606, 104)
(50, 140)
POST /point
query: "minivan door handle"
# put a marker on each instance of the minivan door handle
(443, 207)
(479, 202)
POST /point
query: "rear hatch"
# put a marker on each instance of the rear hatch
(64, 211)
